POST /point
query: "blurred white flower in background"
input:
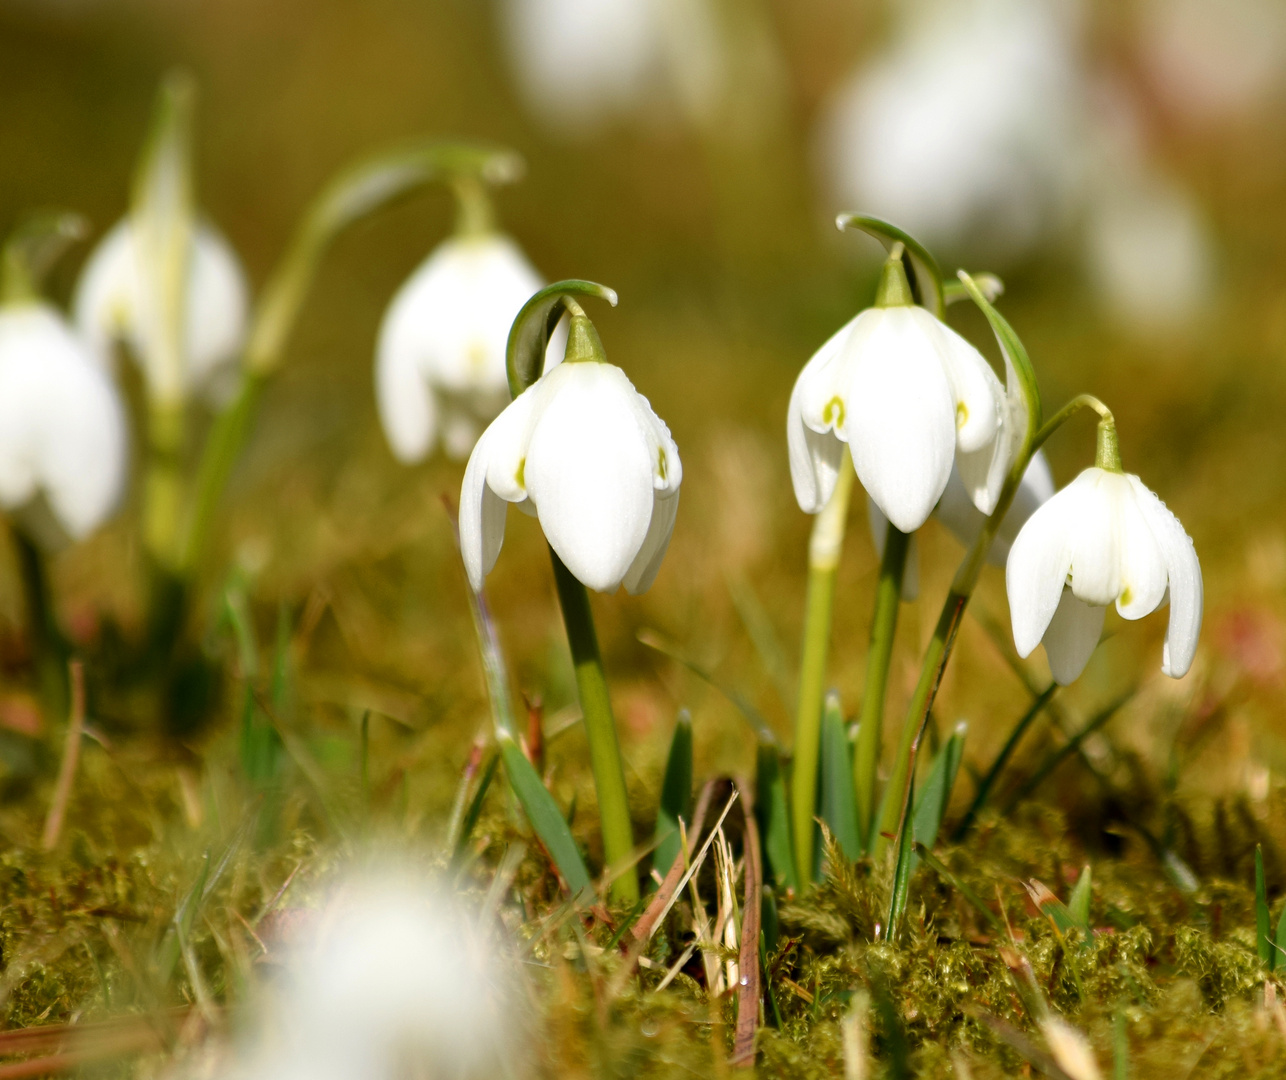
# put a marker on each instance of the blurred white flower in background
(62, 425)
(580, 62)
(965, 130)
(394, 977)
(114, 302)
(983, 129)
(1213, 60)
(440, 358)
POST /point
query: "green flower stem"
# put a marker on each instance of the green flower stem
(49, 649)
(824, 548)
(600, 728)
(894, 806)
(871, 719)
(163, 485)
(222, 447)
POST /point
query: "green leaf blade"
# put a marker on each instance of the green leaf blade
(545, 817)
(676, 795)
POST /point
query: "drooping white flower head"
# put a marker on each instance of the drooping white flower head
(62, 425)
(583, 451)
(440, 359)
(910, 397)
(1105, 538)
(392, 977)
(115, 301)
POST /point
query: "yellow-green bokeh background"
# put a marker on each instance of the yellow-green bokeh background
(729, 275)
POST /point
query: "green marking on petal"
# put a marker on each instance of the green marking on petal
(520, 474)
(833, 412)
(962, 415)
(660, 462)
(1126, 594)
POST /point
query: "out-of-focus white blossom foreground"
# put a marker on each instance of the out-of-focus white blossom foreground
(392, 977)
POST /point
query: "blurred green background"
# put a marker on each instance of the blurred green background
(716, 231)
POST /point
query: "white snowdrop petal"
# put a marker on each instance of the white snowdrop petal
(1143, 564)
(1096, 544)
(217, 304)
(62, 425)
(647, 563)
(978, 394)
(589, 472)
(1184, 575)
(816, 406)
(482, 517)
(508, 438)
(1037, 568)
(900, 422)
(407, 409)
(102, 306)
(1072, 637)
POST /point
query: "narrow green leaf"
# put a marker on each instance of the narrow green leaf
(935, 796)
(1120, 1047)
(763, 635)
(545, 817)
(359, 190)
(471, 815)
(676, 795)
(1078, 904)
(531, 330)
(901, 869)
(989, 284)
(940, 868)
(1279, 952)
(1262, 940)
(839, 801)
(769, 926)
(763, 730)
(773, 814)
(1014, 350)
(927, 278)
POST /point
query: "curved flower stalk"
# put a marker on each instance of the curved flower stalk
(116, 300)
(581, 449)
(440, 358)
(1103, 539)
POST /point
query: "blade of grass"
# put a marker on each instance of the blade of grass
(839, 801)
(940, 868)
(1063, 753)
(1263, 942)
(676, 794)
(935, 796)
(763, 635)
(471, 815)
(763, 730)
(1078, 904)
(1002, 759)
(772, 811)
(544, 815)
(901, 871)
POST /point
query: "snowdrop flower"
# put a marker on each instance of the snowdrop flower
(393, 977)
(580, 61)
(440, 360)
(910, 397)
(115, 301)
(583, 451)
(1105, 538)
(957, 512)
(62, 425)
(969, 129)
